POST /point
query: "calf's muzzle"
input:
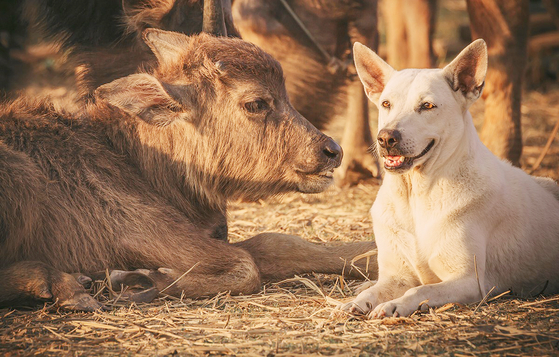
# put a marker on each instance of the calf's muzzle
(332, 152)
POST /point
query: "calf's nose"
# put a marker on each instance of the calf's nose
(332, 151)
(388, 138)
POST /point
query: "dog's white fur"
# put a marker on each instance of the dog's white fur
(459, 222)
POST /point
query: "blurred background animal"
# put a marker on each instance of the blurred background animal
(410, 26)
(104, 36)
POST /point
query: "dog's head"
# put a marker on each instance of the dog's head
(422, 112)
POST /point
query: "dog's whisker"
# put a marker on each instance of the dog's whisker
(373, 150)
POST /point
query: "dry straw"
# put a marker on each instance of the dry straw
(289, 318)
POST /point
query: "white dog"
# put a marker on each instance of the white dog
(451, 220)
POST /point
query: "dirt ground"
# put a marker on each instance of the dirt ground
(293, 317)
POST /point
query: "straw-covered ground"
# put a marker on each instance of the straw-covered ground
(295, 317)
(290, 318)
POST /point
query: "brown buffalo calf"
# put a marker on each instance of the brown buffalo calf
(141, 179)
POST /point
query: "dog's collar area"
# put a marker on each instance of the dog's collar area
(396, 163)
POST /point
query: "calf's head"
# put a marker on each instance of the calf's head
(422, 112)
(218, 109)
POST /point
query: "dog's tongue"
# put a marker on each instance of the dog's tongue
(393, 161)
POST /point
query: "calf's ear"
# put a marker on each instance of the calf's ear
(144, 96)
(166, 45)
(467, 71)
(372, 70)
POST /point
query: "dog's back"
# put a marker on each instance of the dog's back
(548, 184)
(523, 245)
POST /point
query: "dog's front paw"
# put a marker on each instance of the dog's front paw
(393, 308)
(363, 303)
(354, 308)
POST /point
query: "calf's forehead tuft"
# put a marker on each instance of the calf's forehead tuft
(240, 58)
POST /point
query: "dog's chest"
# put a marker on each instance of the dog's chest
(413, 222)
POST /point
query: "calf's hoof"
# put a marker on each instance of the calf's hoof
(81, 302)
(136, 285)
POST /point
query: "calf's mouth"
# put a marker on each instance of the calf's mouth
(315, 181)
(324, 173)
(400, 162)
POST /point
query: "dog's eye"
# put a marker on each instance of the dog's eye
(428, 105)
(385, 104)
(256, 106)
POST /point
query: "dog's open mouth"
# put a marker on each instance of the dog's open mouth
(397, 162)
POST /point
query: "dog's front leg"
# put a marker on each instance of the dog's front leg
(396, 273)
(384, 290)
(463, 290)
(458, 260)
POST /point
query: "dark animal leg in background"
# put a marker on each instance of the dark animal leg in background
(506, 36)
(214, 22)
(358, 162)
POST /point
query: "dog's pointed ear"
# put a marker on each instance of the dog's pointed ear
(467, 72)
(372, 70)
(166, 45)
(142, 95)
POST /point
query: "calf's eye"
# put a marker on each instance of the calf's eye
(256, 106)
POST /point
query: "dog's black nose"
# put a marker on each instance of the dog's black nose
(388, 138)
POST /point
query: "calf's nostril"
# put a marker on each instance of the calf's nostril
(332, 150)
(330, 153)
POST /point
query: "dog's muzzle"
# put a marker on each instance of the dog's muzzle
(400, 163)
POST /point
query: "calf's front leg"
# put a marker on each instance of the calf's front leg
(196, 266)
(281, 256)
(28, 282)
(203, 267)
